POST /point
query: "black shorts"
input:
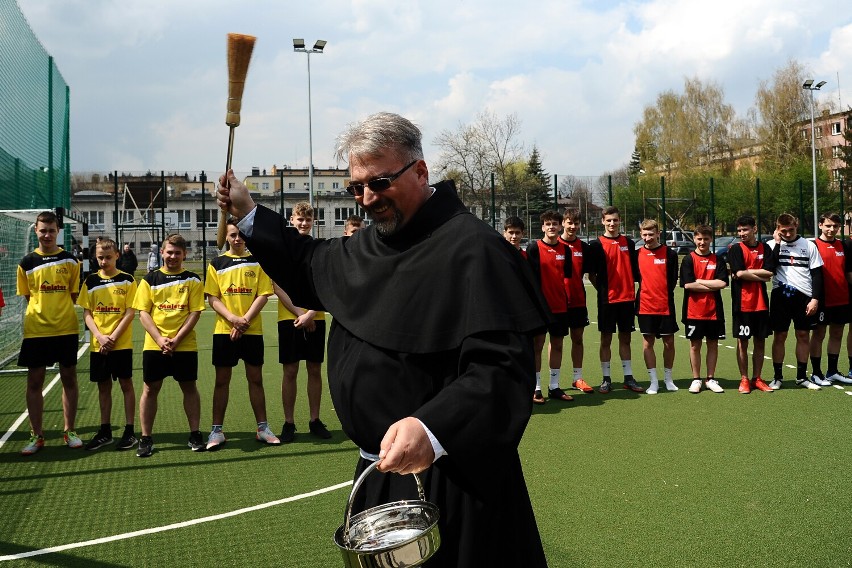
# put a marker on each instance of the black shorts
(112, 365)
(787, 304)
(833, 314)
(704, 329)
(227, 353)
(296, 345)
(612, 316)
(578, 318)
(657, 325)
(39, 352)
(182, 365)
(751, 324)
(558, 326)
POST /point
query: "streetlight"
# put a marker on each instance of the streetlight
(808, 85)
(299, 46)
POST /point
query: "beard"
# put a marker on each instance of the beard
(389, 226)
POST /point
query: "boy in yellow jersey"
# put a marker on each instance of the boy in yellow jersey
(106, 298)
(49, 280)
(301, 337)
(237, 288)
(170, 301)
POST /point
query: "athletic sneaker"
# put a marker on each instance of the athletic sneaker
(848, 378)
(99, 440)
(33, 445)
(582, 385)
(127, 441)
(653, 388)
(670, 386)
(805, 383)
(146, 447)
(195, 443)
(714, 385)
(745, 385)
(605, 387)
(318, 429)
(775, 384)
(695, 386)
(819, 381)
(214, 441)
(266, 436)
(538, 398)
(761, 385)
(838, 378)
(559, 394)
(288, 433)
(632, 385)
(72, 439)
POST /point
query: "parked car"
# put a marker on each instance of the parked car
(681, 241)
(723, 245)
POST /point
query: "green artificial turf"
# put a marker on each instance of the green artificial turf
(622, 479)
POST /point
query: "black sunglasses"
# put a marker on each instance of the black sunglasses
(376, 185)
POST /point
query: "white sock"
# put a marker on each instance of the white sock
(653, 374)
(605, 369)
(578, 373)
(554, 379)
(538, 381)
(668, 375)
(627, 367)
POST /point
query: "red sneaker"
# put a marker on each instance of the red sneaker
(745, 386)
(582, 385)
(759, 384)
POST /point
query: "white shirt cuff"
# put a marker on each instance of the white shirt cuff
(246, 224)
(436, 445)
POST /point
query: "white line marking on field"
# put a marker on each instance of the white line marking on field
(848, 392)
(790, 366)
(46, 390)
(838, 387)
(729, 346)
(173, 526)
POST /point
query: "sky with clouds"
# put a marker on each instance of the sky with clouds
(148, 78)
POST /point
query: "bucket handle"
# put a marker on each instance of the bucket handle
(357, 485)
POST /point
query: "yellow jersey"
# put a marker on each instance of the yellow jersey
(49, 280)
(108, 298)
(237, 281)
(170, 297)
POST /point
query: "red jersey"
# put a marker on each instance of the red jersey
(552, 267)
(613, 265)
(749, 296)
(657, 279)
(835, 289)
(702, 305)
(576, 288)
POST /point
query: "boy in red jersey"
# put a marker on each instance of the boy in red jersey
(834, 300)
(513, 231)
(751, 268)
(578, 313)
(611, 271)
(550, 260)
(703, 277)
(655, 309)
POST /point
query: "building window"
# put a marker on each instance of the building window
(291, 185)
(837, 151)
(805, 133)
(335, 185)
(341, 214)
(321, 185)
(209, 216)
(835, 128)
(319, 219)
(265, 185)
(837, 175)
(253, 185)
(95, 218)
(818, 153)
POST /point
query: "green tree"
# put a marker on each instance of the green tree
(538, 184)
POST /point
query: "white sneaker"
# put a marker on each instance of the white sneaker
(819, 381)
(215, 440)
(267, 437)
(670, 386)
(653, 388)
(713, 385)
(838, 378)
(695, 386)
(804, 383)
(775, 385)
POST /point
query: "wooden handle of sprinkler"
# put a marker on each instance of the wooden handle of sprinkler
(221, 229)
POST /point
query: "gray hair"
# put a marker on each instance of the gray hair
(380, 134)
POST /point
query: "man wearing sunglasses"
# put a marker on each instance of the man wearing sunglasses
(430, 354)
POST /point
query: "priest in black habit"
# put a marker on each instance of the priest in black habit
(430, 355)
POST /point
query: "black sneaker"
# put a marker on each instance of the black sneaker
(195, 443)
(631, 384)
(605, 387)
(146, 447)
(127, 441)
(318, 429)
(288, 433)
(101, 438)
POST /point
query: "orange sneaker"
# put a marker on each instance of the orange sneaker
(745, 385)
(582, 385)
(761, 385)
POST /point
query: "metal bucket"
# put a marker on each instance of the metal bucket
(394, 535)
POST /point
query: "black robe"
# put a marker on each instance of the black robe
(433, 322)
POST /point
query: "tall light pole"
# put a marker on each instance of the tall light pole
(299, 46)
(809, 86)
